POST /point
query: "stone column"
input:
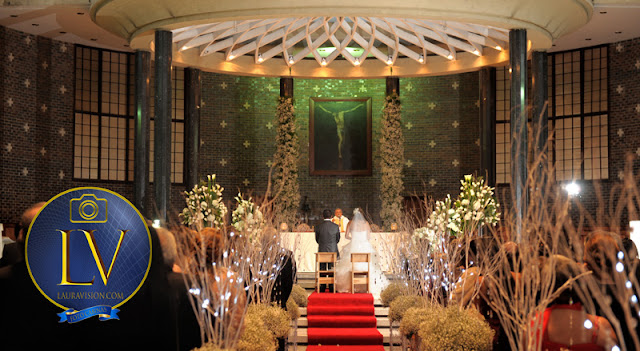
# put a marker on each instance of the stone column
(540, 118)
(286, 87)
(141, 130)
(393, 85)
(518, 64)
(192, 89)
(162, 123)
(488, 125)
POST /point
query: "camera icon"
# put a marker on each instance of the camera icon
(88, 209)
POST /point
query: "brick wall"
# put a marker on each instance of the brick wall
(440, 118)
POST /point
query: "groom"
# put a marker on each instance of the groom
(327, 236)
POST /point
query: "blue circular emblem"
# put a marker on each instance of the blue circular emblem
(88, 251)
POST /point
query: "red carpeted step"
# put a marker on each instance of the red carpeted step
(344, 336)
(330, 299)
(345, 348)
(341, 310)
(341, 321)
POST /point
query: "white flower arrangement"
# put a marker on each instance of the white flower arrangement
(247, 219)
(428, 235)
(475, 207)
(204, 205)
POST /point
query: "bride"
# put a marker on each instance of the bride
(359, 232)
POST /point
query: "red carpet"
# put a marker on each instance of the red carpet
(342, 322)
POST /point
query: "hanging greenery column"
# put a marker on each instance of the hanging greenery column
(391, 161)
(286, 189)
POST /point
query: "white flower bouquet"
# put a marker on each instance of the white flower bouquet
(247, 219)
(204, 205)
(476, 204)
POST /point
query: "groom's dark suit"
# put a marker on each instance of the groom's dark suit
(327, 236)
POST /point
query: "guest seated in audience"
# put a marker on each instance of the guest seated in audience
(601, 255)
(566, 325)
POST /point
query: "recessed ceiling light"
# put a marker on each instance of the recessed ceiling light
(126, 45)
(618, 32)
(94, 39)
(14, 16)
(80, 13)
(603, 12)
(34, 24)
(587, 39)
(63, 32)
(553, 44)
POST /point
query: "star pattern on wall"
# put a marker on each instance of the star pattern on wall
(10, 102)
(9, 147)
(478, 141)
(246, 105)
(455, 124)
(478, 103)
(62, 132)
(432, 105)
(455, 85)
(246, 144)
(432, 182)
(409, 87)
(25, 171)
(269, 87)
(620, 132)
(432, 143)
(43, 151)
(620, 89)
(223, 162)
(43, 108)
(638, 152)
(316, 88)
(637, 64)
(26, 128)
(339, 183)
(246, 182)
(269, 125)
(27, 40)
(621, 175)
(409, 125)
(638, 108)
(27, 83)
(223, 124)
(63, 48)
(201, 142)
(619, 47)
(63, 89)
(409, 163)
(61, 174)
(362, 89)
(455, 162)
(45, 65)
(10, 57)
(269, 163)
(223, 85)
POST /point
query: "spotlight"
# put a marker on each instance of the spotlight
(156, 223)
(498, 47)
(324, 61)
(291, 60)
(260, 59)
(476, 52)
(356, 62)
(572, 189)
(421, 58)
(231, 56)
(390, 60)
(450, 57)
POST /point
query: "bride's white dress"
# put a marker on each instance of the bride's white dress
(359, 244)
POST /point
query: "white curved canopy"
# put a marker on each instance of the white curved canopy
(326, 39)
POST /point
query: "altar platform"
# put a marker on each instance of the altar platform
(304, 246)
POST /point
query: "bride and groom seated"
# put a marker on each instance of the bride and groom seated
(358, 233)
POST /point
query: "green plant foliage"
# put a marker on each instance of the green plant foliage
(390, 293)
(401, 304)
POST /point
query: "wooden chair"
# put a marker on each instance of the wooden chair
(327, 275)
(358, 276)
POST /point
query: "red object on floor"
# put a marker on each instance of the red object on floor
(342, 322)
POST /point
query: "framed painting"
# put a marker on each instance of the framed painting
(340, 136)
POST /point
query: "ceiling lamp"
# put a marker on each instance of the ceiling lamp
(356, 62)
(421, 58)
(291, 61)
(260, 58)
(450, 57)
(390, 60)
(323, 61)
